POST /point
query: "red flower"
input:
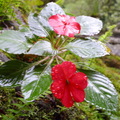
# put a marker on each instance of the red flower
(68, 85)
(64, 25)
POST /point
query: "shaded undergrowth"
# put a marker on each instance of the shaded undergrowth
(14, 107)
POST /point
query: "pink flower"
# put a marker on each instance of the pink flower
(64, 25)
(68, 85)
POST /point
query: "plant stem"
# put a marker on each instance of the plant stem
(58, 40)
(50, 61)
(61, 43)
(57, 60)
(38, 62)
(62, 51)
(60, 58)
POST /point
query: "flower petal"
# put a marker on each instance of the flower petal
(77, 94)
(59, 30)
(64, 25)
(75, 27)
(66, 98)
(58, 73)
(79, 80)
(57, 88)
(71, 29)
(69, 69)
(70, 19)
(55, 21)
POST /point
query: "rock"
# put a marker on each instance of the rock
(114, 45)
(3, 58)
(116, 31)
(115, 49)
(114, 41)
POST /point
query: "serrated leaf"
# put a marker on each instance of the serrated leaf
(89, 25)
(12, 72)
(42, 48)
(87, 48)
(26, 31)
(36, 82)
(13, 42)
(100, 91)
(38, 25)
(51, 9)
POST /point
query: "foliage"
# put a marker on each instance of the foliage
(111, 69)
(10, 8)
(107, 34)
(6, 9)
(28, 6)
(82, 7)
(107, 10)
(22, 109)
(40, 41)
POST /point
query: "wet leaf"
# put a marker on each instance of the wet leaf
(38, 25)
(12, 72)
(89, 25)
(13, 42)
(87, 48)
(100, 91)
(26, 31)
(42, 48)
(51, 9)
(36, 82)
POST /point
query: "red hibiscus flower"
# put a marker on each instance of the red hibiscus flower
(68, 85)
(64, 25)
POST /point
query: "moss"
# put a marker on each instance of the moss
(109, 66)
(12, 106)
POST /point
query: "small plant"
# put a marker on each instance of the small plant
(55, 45)
(22, 109)
(10, 8)
(7, 9)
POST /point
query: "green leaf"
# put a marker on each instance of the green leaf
(33, 3)
(39, 26)
(12, 72)
(100, 91)
(60, 2)
(13, 42)
(89, 25)
(104, 37)
(36, 82)
(26, 31)
(51, 9)
(87, 48)
(42, 48)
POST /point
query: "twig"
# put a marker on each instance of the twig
(57, 60)
(38, 62)
(60, 58)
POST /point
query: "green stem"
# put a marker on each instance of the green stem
(58, 41)
(61, 43)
